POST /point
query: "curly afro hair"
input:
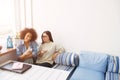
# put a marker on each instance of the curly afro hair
(30, 30)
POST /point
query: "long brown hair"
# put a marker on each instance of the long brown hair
(49, 35)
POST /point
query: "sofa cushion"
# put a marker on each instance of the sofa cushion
(93, 60)
(71, 59)
(113, 64)
(87, 74)
(112, 76)
(63, 67)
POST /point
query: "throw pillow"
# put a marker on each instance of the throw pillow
(71, 59)
(93, 60)
(113, 64)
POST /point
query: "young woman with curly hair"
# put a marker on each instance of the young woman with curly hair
(27, 47)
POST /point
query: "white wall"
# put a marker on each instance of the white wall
(92, 25)
(7, 21)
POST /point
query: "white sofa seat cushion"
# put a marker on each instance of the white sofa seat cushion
(87, 74)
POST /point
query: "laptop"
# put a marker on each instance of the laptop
(8, 66)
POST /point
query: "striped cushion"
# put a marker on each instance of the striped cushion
(113, 64)
(112, 76)
(64, 67)
(70, 59)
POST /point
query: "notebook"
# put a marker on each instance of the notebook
(11, 66)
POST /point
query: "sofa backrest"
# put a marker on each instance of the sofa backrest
(93, 60)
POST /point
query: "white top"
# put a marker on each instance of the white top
(50, 49)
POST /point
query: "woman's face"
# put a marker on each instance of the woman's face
(28, 37)
(45, 37)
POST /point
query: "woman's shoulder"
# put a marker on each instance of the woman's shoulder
(55, 44)
(58, 45)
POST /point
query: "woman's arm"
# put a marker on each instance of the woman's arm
(35, 48)
(31, 52)
(41, 52)
(26, 55)
(22, 53)
(19, 48)
(59, 50)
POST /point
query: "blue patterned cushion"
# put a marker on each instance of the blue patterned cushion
(113, 64)
(112, 76)
(93, 60)
(71, 59)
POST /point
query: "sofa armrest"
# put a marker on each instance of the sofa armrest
(9, 55)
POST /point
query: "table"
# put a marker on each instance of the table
(35, 73)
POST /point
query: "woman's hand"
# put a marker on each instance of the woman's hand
(42, 52)
(21, 58)
(27, 54)
(54, 56)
